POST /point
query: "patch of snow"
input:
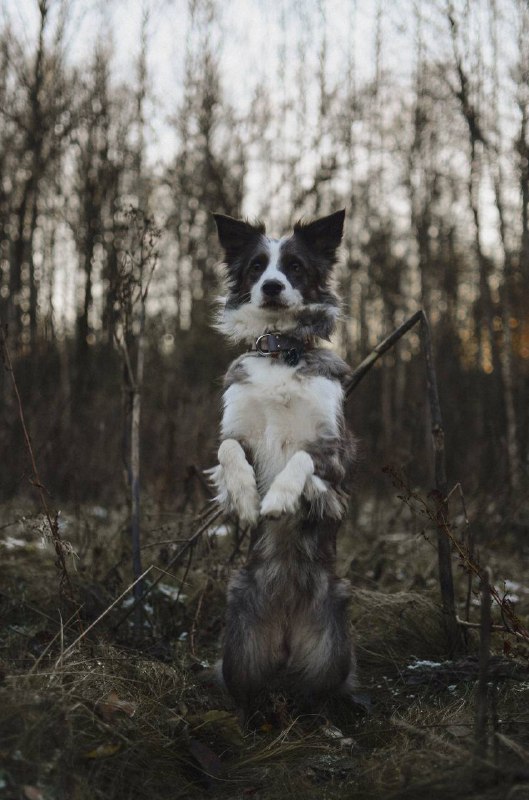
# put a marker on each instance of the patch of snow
(219, 530)
(332, 733)
(11, 543)
(99, 512)
(424, 665)
(513, 586)
(171, 592)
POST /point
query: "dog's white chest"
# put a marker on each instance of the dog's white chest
(276, 412)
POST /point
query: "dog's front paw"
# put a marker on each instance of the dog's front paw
(239, 482)
(245, 503)
(284, 495)
(280, 500)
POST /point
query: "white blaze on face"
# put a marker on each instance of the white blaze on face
(289, 297)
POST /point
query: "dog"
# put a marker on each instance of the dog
(284, 463)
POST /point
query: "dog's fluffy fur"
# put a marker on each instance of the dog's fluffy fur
(284, 462)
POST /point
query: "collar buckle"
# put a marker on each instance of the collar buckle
(272, 345)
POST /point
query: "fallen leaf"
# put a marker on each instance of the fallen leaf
(459, 730)
(266, 727)
(32, 793)
(221, 722)
(103, 751)
(113, 705)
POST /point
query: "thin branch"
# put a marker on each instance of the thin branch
(377, 352)
(101, 616)
(53, 523)
(482, 693)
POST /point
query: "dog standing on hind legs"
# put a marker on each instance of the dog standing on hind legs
(284, 462)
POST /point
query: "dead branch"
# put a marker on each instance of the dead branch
(482, 693)
(377, 352)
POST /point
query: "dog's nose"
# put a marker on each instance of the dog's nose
(272, 288)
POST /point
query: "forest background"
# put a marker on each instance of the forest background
(414, 116)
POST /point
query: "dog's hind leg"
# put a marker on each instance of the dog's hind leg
(253, 642)
(321, 649)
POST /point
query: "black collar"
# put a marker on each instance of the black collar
(290, 348)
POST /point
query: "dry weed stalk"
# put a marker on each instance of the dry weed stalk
(62, 549)
(136, 269)
(482, 693)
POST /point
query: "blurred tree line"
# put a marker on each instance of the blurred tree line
(434, 173)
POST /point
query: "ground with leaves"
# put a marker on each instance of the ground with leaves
(136, 715)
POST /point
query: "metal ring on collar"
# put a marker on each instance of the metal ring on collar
(266, 336)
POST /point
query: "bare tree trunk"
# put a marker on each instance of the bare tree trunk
(478, 146)
(27, 211)
(522, 141)
(506, 350)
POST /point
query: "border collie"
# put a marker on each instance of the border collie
(284, 463)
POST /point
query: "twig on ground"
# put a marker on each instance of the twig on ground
(186, 573)
(477, 625)
(164, 541)
(195, 619)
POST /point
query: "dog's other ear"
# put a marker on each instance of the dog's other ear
(235, 234)
(323, 235)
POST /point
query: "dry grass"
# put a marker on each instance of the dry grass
(120, 718)
(393, 629)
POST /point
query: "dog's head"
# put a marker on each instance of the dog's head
(279, 284)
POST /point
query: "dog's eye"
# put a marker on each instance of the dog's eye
(295, 267)
(256, 266)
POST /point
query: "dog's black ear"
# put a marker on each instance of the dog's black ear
(235, 234)
(323, 235)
